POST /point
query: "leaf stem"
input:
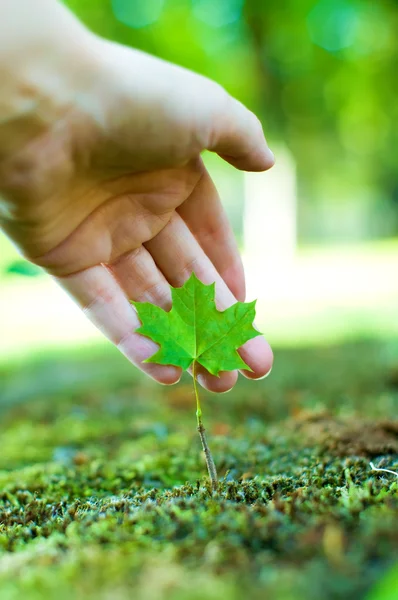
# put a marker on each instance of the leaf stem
(209, 459)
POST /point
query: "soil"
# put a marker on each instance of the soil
(350, 436)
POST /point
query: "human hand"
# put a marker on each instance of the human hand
(103, 186)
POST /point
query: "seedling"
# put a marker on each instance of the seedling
(195, 333)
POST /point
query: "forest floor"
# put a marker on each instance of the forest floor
(103, 491)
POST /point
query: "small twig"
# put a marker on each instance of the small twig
(211, 467)
(384, 470)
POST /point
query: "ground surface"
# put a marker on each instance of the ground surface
(103, 494)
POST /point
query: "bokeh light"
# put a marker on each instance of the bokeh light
(136, 13)
(218, 14)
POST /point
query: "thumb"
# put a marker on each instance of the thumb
(238, 137)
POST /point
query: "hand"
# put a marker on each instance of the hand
(105, 189)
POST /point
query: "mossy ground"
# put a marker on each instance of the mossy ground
(103, 494)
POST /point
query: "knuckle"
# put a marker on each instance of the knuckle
(103, 297)
(191, 266)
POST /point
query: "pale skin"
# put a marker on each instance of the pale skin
(101, 178)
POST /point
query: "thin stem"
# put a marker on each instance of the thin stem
(195, 387)
(209, 459)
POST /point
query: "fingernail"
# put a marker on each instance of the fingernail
(200, 379)
(271, 154)
(265, 376)
(226, 391)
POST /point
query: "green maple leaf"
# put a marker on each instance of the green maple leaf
(195, 331)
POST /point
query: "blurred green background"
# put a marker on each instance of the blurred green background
(95, 455)
(319, 233)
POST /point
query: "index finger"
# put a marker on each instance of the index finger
(104, 302)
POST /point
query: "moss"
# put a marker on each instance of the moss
(103, 494)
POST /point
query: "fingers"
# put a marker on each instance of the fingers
(206, 218)
(142, 281)
(177, 253)
(140, 278)
(238, 137)
(163, 115)
(100, 296)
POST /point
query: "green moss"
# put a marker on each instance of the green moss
(103, 494)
